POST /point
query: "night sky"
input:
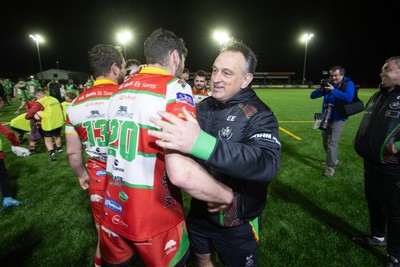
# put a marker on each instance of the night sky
(359, 38)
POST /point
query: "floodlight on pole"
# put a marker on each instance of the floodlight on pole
(222, 37)
(38, 39)
(305, 38)
(124, 37)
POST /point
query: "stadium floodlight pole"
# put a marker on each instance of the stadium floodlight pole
(124, 37)
(38, 39)
(222, 37)
(305, 38)
(57, 70)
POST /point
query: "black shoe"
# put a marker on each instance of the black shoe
(53, 157)
(393, 262)
(369, 241)
(34, 150)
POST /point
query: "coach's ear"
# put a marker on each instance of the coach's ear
(246, 80)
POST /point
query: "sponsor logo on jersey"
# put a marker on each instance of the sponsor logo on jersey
(129, 97)
(168, 198)
(113, 205)
(123, 196)
(225, 133)
(170, 246)
(116, 219)
(184, 98)
(115, 166)
(118, 169)
(94, 103)
(101, 173)
(138, 84)
(182, 83)
(95, 114)
(99, 157)
(123, 112)
(117, 178)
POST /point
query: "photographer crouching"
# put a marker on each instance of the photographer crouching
(337, 90)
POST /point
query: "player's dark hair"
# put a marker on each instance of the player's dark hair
(160, 44)
(102, 57)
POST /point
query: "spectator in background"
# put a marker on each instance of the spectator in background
(8, 89)
(185, 75)
(336, 91)
(70, 85)
(32, 84)
(108, 68)
(62, 90)
(235, 138)
(89, 82)
(55, 90)
(20, 92)
(142, 191)
(132, 67)
(69, 97)
(4, 95)
(199, 88)
(80, 88)
(378, 143)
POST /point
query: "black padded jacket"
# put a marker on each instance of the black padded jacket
(246, 156)
(380, 128)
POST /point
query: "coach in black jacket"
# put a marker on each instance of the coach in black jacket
(377, 142)
(239, 146)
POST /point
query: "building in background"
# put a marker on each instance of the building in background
(63, 75)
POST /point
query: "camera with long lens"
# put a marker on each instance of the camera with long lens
(324, 82)
(326, 117)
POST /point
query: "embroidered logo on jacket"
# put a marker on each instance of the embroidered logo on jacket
(225, 133)
(248, 110)
(395, 105)
(392, 113)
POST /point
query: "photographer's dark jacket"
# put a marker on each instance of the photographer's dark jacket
(380, 128)
(342, 93)
(246, 155)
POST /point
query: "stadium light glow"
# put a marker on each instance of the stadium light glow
(221, 37)
(38, 39)
(124, 37)
(305, 38)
